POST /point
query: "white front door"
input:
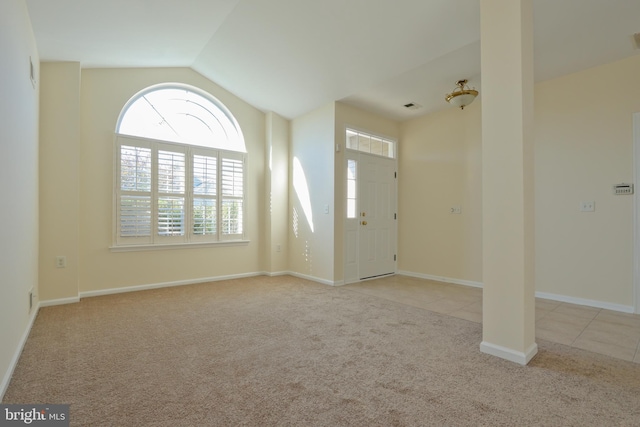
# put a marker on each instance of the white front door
(376, 201)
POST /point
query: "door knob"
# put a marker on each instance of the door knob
(364, 222)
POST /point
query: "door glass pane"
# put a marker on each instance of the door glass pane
(364, 143)
(376, 146)
(352, 140)
(351, 188)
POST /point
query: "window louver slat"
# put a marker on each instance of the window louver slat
(232, 177)
(171, 216)
(135, 168)
(232, 193)
(135, 216)
(205, 217)
(232, 217)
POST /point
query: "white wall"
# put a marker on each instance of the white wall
(19, 178)
(311, 190)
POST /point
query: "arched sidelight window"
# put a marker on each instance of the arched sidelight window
(180, 170)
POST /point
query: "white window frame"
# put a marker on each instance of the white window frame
(188, 238)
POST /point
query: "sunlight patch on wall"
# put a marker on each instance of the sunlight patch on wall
(302, 191)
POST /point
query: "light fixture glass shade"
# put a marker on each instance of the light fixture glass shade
(462, 95)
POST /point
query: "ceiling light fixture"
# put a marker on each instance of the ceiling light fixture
(462, 95)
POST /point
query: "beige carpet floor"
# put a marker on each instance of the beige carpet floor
(287, 352)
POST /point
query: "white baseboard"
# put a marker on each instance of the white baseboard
(544, 295)
(135, 288)
(276, 273)
(441, 279)
(87, 294)
(587, 302)
(60, 301)
(316, 279)
(16, 355)
(509, 354)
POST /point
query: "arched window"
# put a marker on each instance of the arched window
(182, 114)
(180, 163)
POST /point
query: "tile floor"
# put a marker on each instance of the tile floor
(598, 330)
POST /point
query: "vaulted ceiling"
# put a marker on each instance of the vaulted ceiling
(291, 56)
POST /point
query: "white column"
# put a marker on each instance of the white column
(507, 183)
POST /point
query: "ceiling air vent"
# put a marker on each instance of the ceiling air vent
(412, 106)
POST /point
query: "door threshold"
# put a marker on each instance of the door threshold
(377, 276)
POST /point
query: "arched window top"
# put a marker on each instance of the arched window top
(180, 113)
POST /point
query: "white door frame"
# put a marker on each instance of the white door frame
(636, 212)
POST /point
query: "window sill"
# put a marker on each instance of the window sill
(162, 247)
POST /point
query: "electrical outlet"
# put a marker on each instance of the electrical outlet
(30, 299)
(587, 206)
(278, 248)
(61, 261)
(456, 210)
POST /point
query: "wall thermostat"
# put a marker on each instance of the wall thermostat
(623, 188)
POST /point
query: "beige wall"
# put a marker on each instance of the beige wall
(59, 186)
(441, 167)
(103, 94)
(311, 191)
(19, 178)
(583, 145)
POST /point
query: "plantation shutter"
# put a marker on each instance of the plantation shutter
(134, 194)
(205, 195)
(169, 193)
(171, 184)
(232, 207)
